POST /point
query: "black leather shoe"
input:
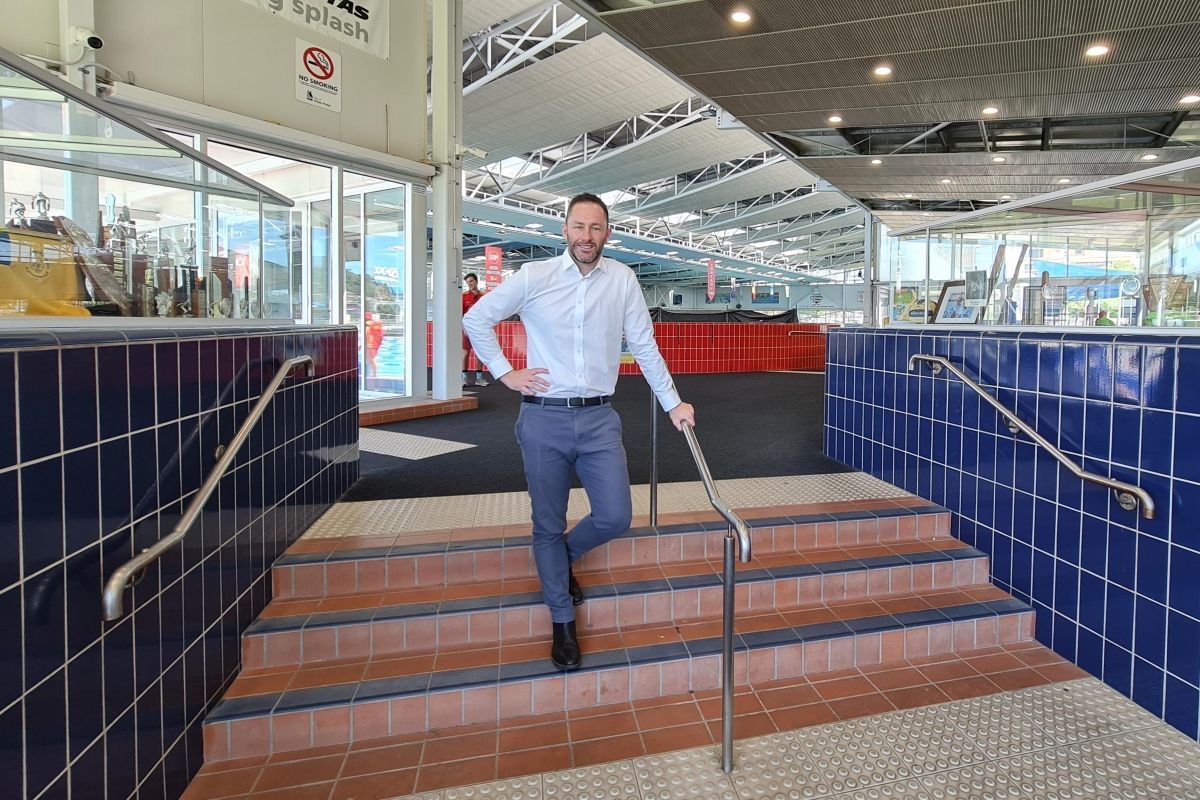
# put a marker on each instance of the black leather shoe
(564, 652)
(574, 588)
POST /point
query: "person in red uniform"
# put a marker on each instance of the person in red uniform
(469, 298)
(374, 340)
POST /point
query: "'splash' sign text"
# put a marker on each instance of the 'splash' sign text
(358, 23)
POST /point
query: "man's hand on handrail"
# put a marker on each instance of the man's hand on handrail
(682, 413)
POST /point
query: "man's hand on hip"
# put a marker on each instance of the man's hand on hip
(682, 413)
(526, 381)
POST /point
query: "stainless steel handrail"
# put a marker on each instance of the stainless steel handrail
(737, 533)
(114, 590)
(1128, 495)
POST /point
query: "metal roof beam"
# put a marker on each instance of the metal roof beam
(501, 51)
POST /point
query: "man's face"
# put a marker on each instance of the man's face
(472, 283)
(586, 231)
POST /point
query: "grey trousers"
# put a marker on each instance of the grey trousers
(554, 440)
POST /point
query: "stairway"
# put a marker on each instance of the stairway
(425, 634)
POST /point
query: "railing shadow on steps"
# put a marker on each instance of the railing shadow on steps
(738, 533)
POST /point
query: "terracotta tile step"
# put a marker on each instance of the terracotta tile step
(310, 569)
(767, 650)
(384, 623)
(427, 761)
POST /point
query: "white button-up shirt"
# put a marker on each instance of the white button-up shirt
(573, 324)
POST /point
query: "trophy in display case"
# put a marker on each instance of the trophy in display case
(16, 213)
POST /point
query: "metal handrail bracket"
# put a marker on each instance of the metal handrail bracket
(114, 589)
(1128, 495)
(737, 535)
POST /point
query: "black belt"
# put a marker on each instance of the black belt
(570, 402)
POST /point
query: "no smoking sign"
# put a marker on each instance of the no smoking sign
(318, 76)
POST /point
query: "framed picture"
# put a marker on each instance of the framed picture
(952, 305)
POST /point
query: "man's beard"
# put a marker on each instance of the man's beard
(596, 252)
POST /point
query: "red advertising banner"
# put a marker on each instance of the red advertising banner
(712, 280)
(493, 266)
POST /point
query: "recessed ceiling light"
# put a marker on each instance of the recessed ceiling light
(836, 119)
(1150, 157)
(945, 180)
(1096, 50)
(998, 159)
(883, 70)
(991, 110)
(1191, 98)
(1064, 180)
(740, 16)
(1006, 197)
(876, 160)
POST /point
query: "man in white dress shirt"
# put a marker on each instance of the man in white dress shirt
(575, 309)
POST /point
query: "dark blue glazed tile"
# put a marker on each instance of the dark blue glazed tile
(113, 390)
(1066, 589)
(1183, 646)
(1043, 578)
(189, 378)
(1099, 372)
(85, 699)
(1065, 635)
(81, 503)
(38, 380)
(1090, 653)
(142, 388)
(1091, 601)
(1118, 618)
(1185, 504)
(1157, 445)
(1122, 552)
(1187, 430)
(1182, 705)
(1070, 426)
(1049, 367)
(1188, 399)
(1148, 685)
(45, 745)
(79, 397)
(1118, 668)
(1158, 377)
(41, 514)
(1185, 566)
(167, 382)
(1098, 425)
(1127, 375)
(1126, 436)
(1074, 370)
(8, 410)
(87, 770)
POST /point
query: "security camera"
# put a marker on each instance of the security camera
(87, 38)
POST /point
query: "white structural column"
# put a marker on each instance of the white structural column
(416, 294)
(446, 94)
(81, 196)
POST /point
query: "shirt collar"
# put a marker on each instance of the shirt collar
(569, 263)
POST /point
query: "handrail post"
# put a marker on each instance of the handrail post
(727, 658)
(653, 460)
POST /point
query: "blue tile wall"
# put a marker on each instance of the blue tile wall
(1114, 592)
(106, 436)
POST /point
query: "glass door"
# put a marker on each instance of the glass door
(375, 251)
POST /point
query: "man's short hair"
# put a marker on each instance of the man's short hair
(470, 275)
(587, 197)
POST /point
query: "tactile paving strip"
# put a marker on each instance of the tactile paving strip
(686, 775)
(601, 782)
(405, 445)
(529, 788)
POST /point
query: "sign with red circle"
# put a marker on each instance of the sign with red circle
(318, 63)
